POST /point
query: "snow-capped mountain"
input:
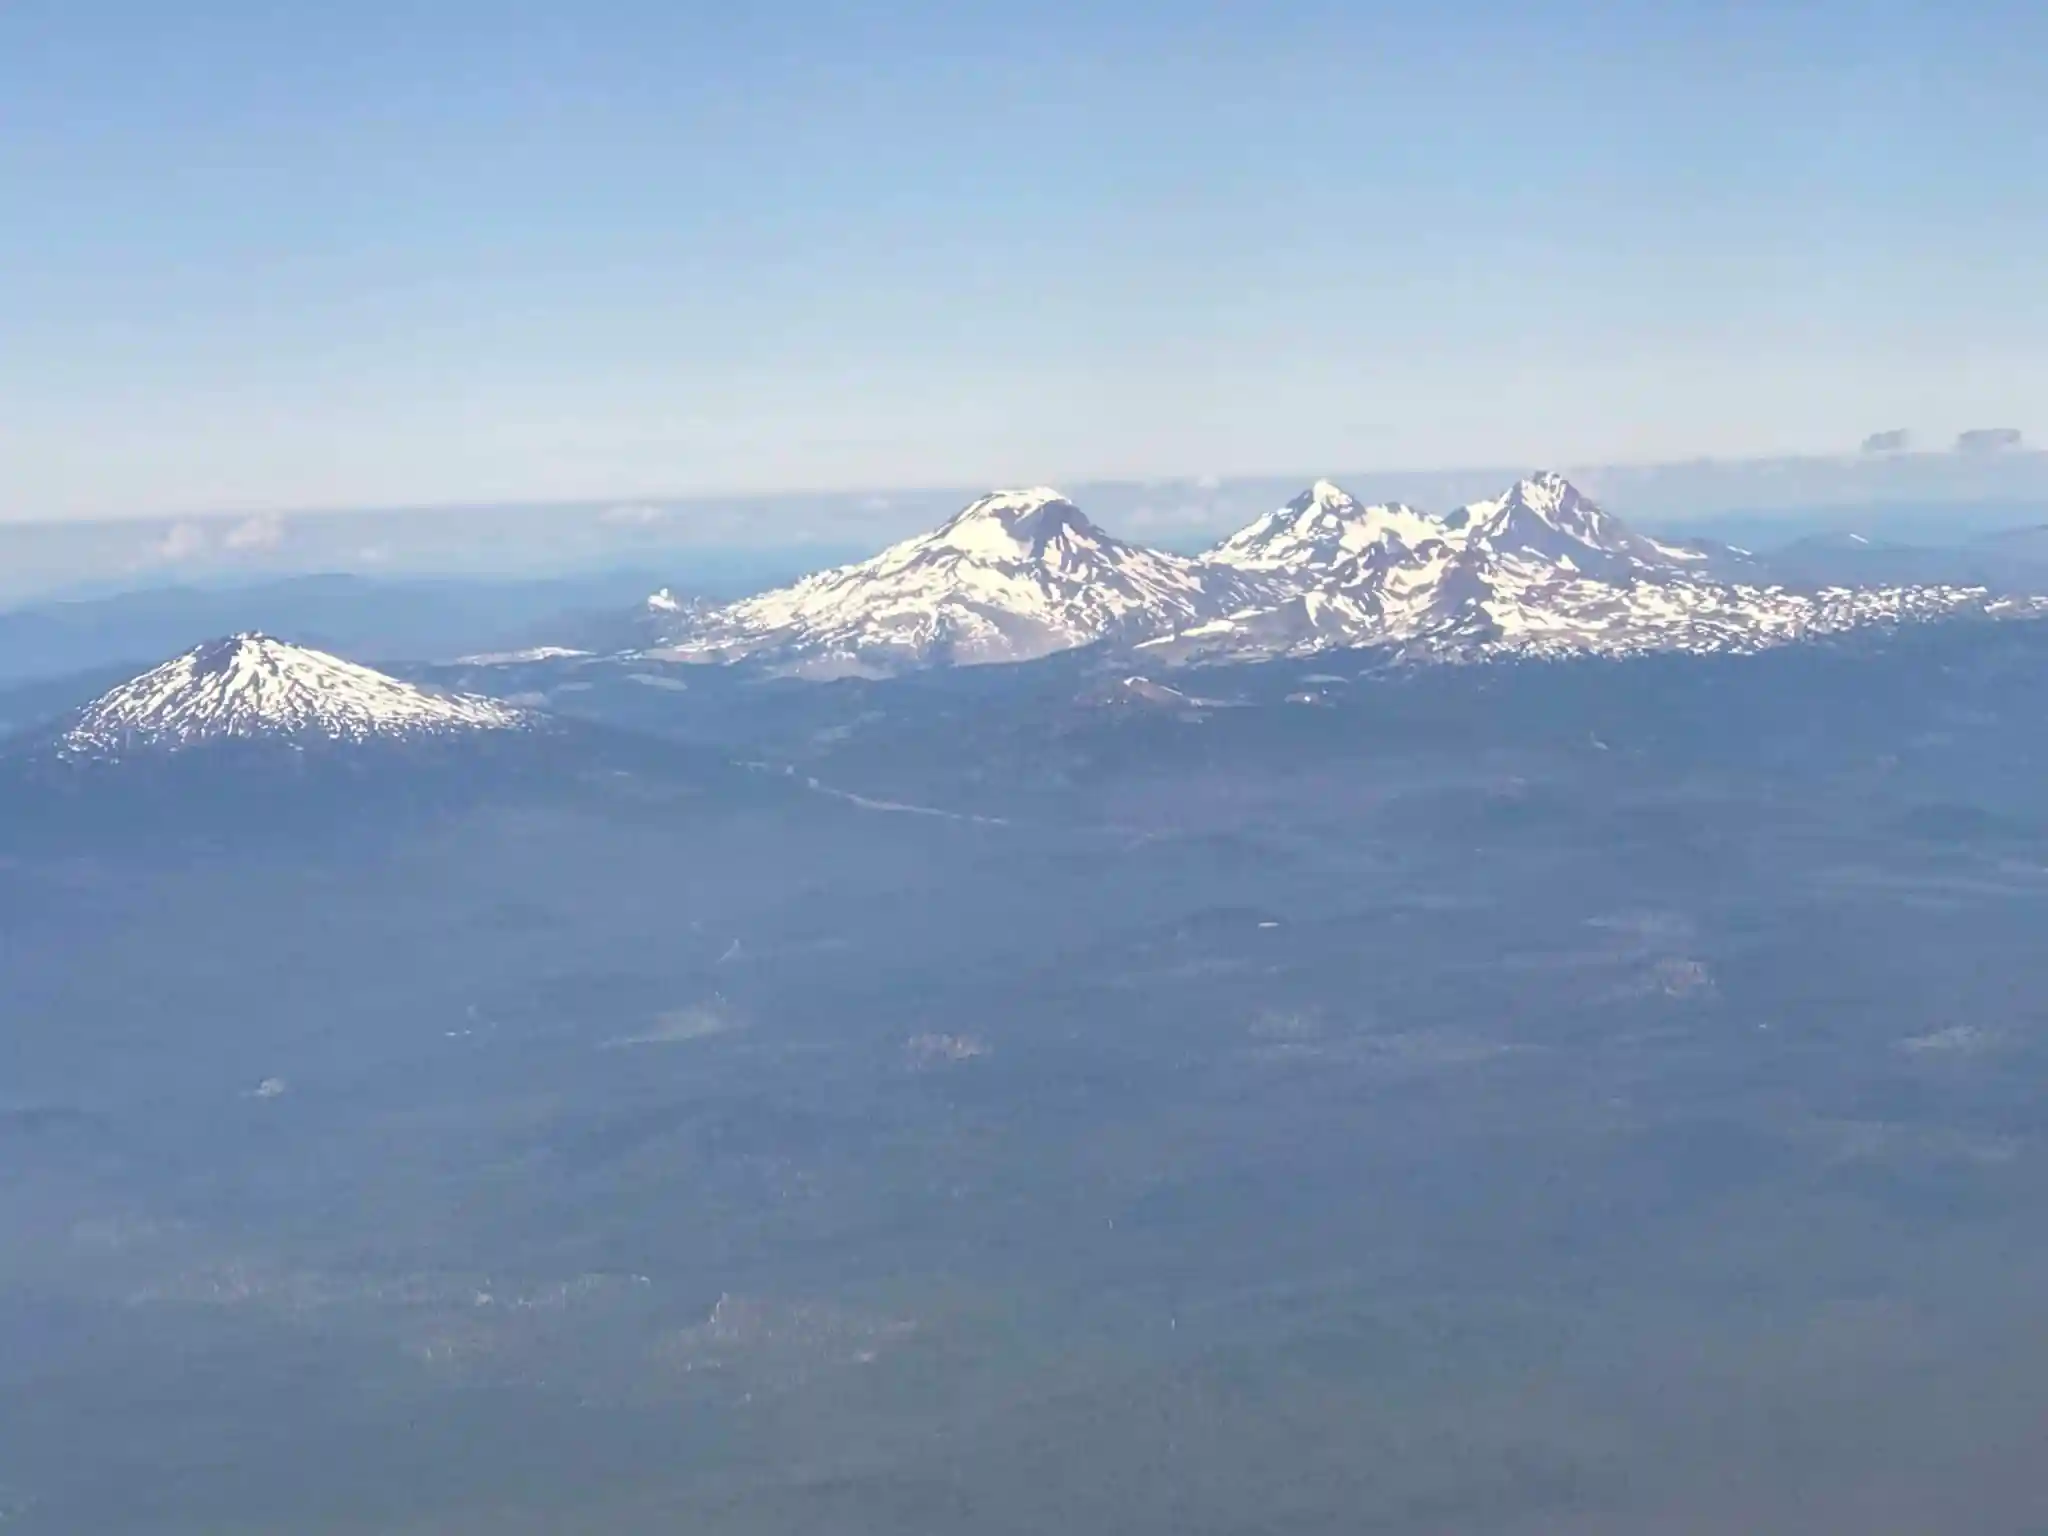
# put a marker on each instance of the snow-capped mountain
(1542, 569)
(250, 687)
(1546, 520)
(1015, 575)
(1539, 569)
(1317, 531)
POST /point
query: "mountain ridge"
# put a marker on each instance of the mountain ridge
(1540, 569)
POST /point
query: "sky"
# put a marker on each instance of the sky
(260, 257)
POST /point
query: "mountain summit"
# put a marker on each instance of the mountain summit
(1317, 531)
(1014, 575)
(251, 687)
(1014, 526)
(1547, 519)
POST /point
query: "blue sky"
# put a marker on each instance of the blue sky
(267, 256)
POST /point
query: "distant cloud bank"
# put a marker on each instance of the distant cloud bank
(1988, 440)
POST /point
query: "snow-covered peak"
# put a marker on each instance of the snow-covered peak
(1546, 520)
(1318, 530)
(253, 687)
(1014, 525)
(1546, 492)
(1547, 499)
(1014, 532)
(1012, 575)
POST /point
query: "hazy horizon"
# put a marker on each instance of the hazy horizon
(501, 254)
(1919, 497)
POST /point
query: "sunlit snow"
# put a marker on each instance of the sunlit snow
(1540, 569)
(253, 686)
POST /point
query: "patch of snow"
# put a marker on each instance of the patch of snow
(936, 1050)
(515, 658)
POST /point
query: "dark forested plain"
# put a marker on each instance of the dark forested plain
(1317, 1097)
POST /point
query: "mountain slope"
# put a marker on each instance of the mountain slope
(251, 687)
(1015, 575)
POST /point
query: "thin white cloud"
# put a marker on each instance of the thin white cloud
(255, 533)
(181, 541)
